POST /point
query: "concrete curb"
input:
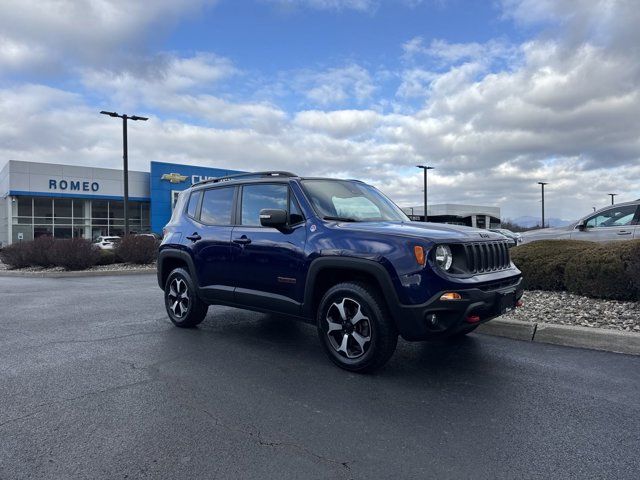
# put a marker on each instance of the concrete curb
(81, 273)
(567, 335)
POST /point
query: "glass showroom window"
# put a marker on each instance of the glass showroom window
(24, 212)
(42, 217)
(99, 218)
(63, 217)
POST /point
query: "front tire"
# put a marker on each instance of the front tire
(183, 306)
(354, 327)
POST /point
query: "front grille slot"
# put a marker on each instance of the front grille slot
(487, 257)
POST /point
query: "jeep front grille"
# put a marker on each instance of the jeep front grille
(487, 256)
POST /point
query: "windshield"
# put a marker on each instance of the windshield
(351, 201)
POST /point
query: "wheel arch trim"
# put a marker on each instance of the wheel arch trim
(173, 253)
(359, 265)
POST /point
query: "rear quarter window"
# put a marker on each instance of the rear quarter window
(194, 201)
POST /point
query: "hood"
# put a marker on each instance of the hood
(427, 231)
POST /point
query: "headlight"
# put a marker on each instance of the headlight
(444, 259)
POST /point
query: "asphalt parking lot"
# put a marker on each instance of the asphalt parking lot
(96, 383)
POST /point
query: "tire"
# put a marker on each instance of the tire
(370, 341)
(183, 306)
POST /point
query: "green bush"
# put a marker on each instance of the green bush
(543, 263)
(600, 270)
(608, 270)
(16, 255)
(139, 249)
(74, 254)
(106, 257)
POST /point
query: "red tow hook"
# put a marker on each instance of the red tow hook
(473, 319)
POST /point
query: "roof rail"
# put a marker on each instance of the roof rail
(236, 176)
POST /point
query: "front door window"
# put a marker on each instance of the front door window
(614, 217)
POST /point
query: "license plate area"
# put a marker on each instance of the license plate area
(506, 302)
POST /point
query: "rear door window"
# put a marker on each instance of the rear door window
(217, 206)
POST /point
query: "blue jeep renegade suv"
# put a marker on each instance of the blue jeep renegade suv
(335, 253)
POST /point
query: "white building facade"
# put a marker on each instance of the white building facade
(478, 216)
(43, 199)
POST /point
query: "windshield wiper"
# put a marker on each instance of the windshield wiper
(339, 219)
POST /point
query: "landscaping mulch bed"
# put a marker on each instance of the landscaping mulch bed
(568, 309)
(114, 267)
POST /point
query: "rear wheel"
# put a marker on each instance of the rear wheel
(183, 306)
(354, 327)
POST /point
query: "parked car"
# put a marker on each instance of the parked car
(106, 243)
(335, 253)
(513, 237)
(612, 223)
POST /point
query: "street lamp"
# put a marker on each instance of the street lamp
(125, 158)
(425, 168)
(542, 184)
(612, 195)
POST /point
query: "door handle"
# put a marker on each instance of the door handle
(624, 232)
(243, 240)
(195, 237)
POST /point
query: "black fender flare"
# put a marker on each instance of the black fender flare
(169, 253)
(370, 267)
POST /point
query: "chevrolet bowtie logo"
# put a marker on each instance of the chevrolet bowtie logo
(173, 177)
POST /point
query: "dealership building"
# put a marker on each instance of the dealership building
(479, 216)
(67, 201)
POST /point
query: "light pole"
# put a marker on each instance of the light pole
(125, 158)
(542, 184)
(612, 195)
(425, 168)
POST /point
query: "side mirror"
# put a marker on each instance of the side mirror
(582, 226)
(275, 218)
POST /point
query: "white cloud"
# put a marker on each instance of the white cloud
(182, 86)
(336, 85)
(338, 123)
(90, 31)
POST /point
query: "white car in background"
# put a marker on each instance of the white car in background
(612, 223)
(106, 243)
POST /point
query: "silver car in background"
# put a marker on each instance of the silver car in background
(612, 223)
(514, 238)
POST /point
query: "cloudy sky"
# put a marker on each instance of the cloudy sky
(496, 95)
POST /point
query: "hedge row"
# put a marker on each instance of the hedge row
(78, 253)
(600, 270)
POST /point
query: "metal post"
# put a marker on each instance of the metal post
(425, 195)
(125, 158)
(542, 184)
(425, 168)
(612, 195)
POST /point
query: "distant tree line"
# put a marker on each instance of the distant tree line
(515, 227)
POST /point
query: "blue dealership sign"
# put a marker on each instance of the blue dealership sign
(168, 179)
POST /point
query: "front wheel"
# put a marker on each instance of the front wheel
(354, 327)
(183, 306)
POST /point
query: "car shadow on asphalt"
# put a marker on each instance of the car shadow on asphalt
(271, 334)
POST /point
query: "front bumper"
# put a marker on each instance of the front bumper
(483, 303)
